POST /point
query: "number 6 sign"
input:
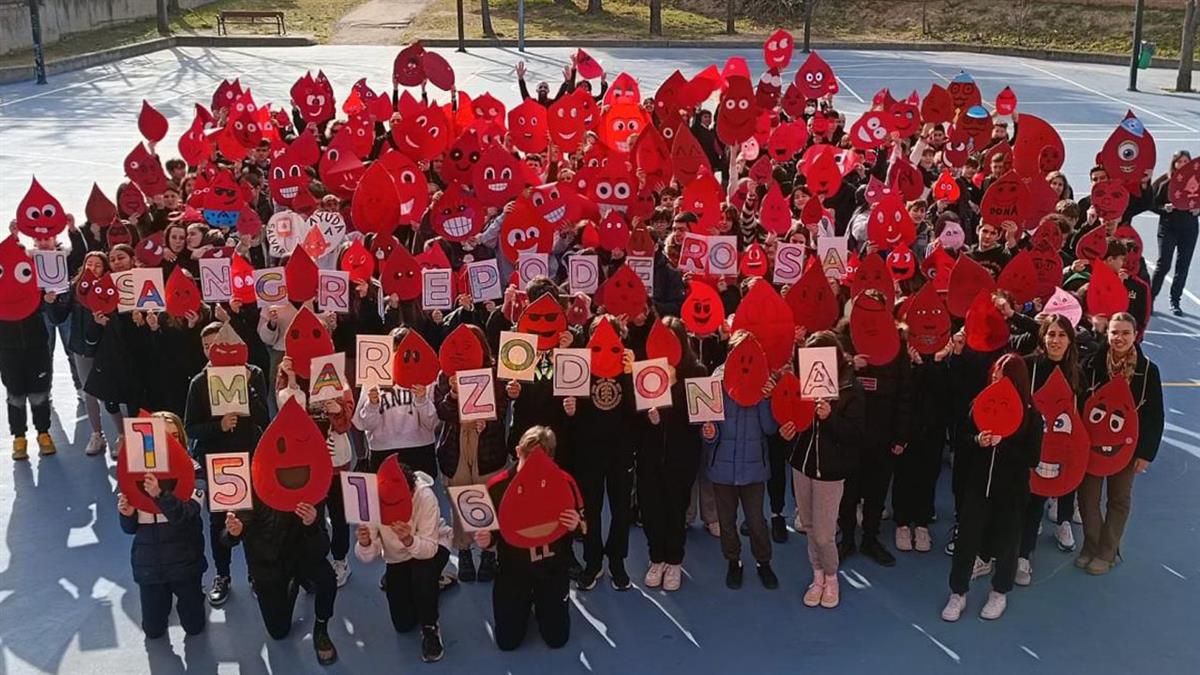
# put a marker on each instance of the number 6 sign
(474, 507)
(229, 481)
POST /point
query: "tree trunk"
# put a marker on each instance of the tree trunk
(595, 7)
(485, 13)
(1187, 46)
(809, 6)
(656, 17)
(729, 17)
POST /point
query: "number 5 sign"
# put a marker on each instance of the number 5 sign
(474, 507)
(229, 481)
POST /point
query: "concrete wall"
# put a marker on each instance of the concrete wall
(63, 17)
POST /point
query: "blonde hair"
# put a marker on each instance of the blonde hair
(537, 436)
(173, 420)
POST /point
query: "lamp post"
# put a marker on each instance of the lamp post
(1137, 44)
(39, 57)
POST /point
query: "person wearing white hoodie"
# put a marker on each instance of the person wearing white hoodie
(399, 421)
(415, 553)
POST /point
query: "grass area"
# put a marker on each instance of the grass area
(1095, 25)
(314, 18)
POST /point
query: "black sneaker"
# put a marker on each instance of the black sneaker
(949, 550)
(733, 578)
(1176, 309)
(219, 593)
(432, 650)
(846, 549)
(588, 578)
(574, 569)
(326, 652)
(878, 552)
(618, 576)
(487, 566)
(767, 576)
(466, 565)
(779, 532)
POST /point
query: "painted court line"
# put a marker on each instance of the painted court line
(686, 633)
(600, 626)
(1030, 652)
(1173, 572)
(850, 90)
(1110, 98)
(940, 645)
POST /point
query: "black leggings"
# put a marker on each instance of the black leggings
(778, 452)
(156, 600)
(412, 591)
(987, 524)
(1170, 241)
(664, 489)
(515, 594)
(914, 484)
(1033, 517)
(606, 471)
(277, 594)
(339, 531)
(869, 484)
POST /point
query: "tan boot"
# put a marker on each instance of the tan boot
(20, 449)
(45, 445)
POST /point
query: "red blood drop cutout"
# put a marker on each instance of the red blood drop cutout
(754, 261)
(663, 343)
(544, 318)
(688, 160)
(100, 210)
(998, 408)
(1111, 419)
(775, 214)
(873, 330)
(928, 321)
(415, 362)
(607, 351)
(1064, 458)
(1093, 244)
(623, 293)
(183, 296)
(291, 463)
(946, 187)
(1020, 277)
(229, 349)
(395, 496)
(787, 406)
(812, 301)
(1106, 293)
(19, 293)
(461, 350)
(702, 312)
(242, 280)
(745, 372)
(40, 215)
(937, 107)
(401, 275)
(306, 338)
(104, 297)
(986, 330)
(537, 495)
(769, 319)
(180, 479)
(873, 272)
(358, 262)
(151, 123)
(302, 275)
(1184, 188)
(376, 204)
(967, 279)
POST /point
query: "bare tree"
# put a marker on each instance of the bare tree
(595, 7)
(656, 17)
(1187, 46)
(485, 13)
(810, 6)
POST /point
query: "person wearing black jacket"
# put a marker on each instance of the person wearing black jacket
(888, 405)
(229, 433)
(25, 364)
(995, 490)
(285, 551)
(914, 484)
(1177, 232)
(531, 580)
(168, 558)
(823, 456)
(1121, 357)
(667, 462)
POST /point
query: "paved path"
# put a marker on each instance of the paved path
(378, 22)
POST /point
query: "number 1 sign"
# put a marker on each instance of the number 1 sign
(146, 444)
(229, 481)
(360, 497)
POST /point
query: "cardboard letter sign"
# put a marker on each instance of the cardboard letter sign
(517, 357)
(228, 390)
(229, 481)
(818, 373)
(360, 497)
(572, 372)
(216, 279)
(476, 395)
(373, 361)
(146, 445)
(51, 270)
(333, 291)
(705, 399)
(436, 287)
(270, 287)
(652, 384)
(789, 263)
(328, 377)
(484, 278)
(583, 271)
(474, 507)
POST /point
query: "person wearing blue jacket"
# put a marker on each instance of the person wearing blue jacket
(168, 554)
(735, 461)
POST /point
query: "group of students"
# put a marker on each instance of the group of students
(888, 429)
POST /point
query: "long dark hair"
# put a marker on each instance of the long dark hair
(1013, 367)
(1070, 360)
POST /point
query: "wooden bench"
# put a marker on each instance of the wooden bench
(251, 17)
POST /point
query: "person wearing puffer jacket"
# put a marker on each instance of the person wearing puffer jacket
(735, 461)
(823, 456)
(415, 553)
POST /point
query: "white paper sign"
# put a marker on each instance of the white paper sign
(818, 373)
(333, 291)
(373, 361)
(474, 507)
(437, 288)
(146, 445)
(328, 377)
(583, 273)
(517, 357)
(229, 481)
(643, 266)
(532, 264)
(484, 278)
(652, 384)
(149, 291)
(789, 263)
(52, 273)
(270, 286)
(832, 253)
(476, 394)
(216, 279)
(360, 497)
(228, 390)
(722, 256)
(705, 399)
(572, 372)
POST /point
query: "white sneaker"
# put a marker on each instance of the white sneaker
(95, 444)
(714, 529)
(798, 525)
(954, 607)
(994, 608)
(1024, 575)
(904, 540)
(1077, 518)
(1065, 536)
(114, 449)
(341, 568)
(922, 541)
(654, 575)
(1052, 512)
(981, 569)
(672, 577)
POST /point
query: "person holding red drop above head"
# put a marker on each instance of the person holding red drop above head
(538, 504)
(995, 488)
(1113, 427)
